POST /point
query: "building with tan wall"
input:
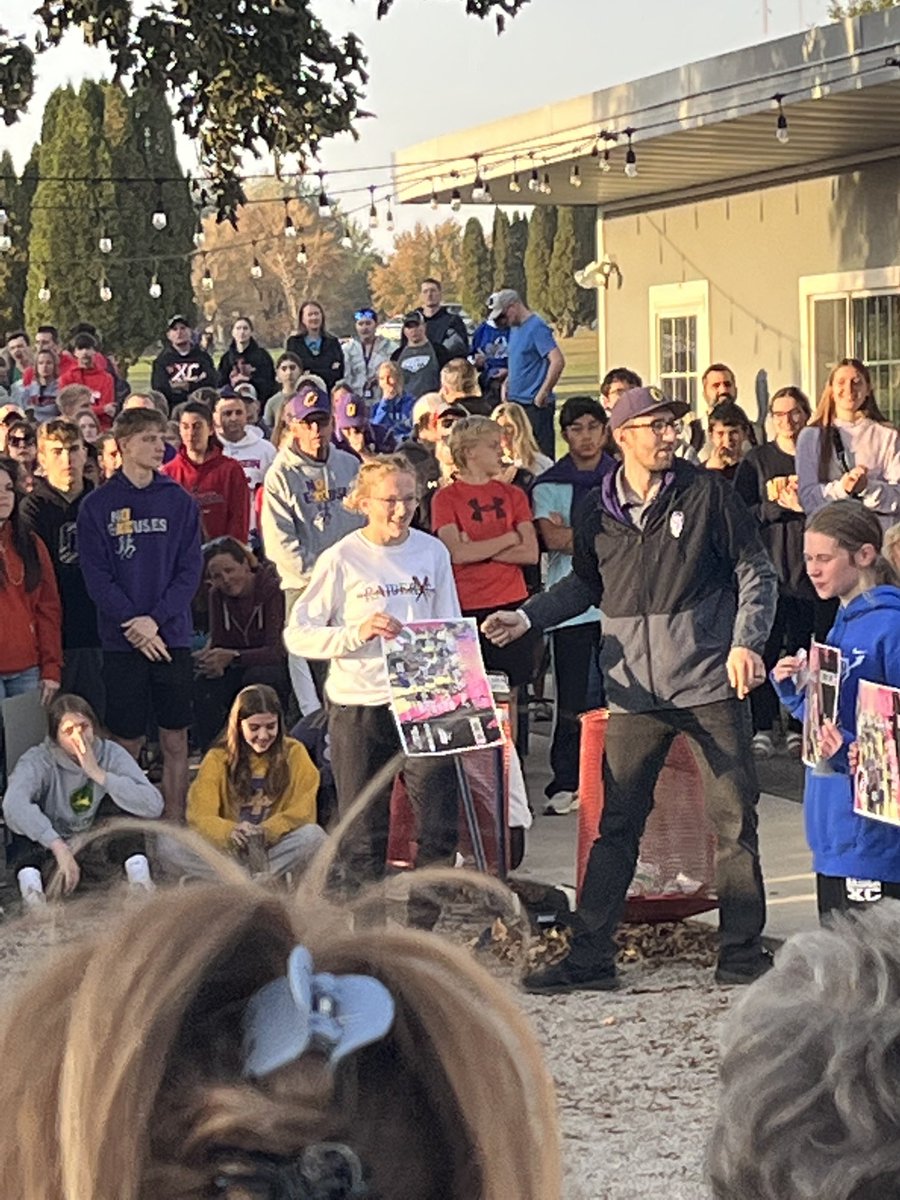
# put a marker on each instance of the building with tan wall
(724, 241)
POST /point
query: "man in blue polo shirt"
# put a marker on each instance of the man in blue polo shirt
(535, 363)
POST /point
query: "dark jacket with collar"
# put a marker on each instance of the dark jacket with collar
(49, 514)
(328, 364)
(676, 594)
(255, 363)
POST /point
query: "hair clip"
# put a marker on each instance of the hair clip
(336, 1014)
(323, 1171)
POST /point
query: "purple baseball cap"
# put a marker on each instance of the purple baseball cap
(350, 411)
(309, 401)
(641, 402)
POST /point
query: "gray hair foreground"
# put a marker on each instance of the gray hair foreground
(810, 1104)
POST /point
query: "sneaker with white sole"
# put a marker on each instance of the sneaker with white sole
(31, 887)
(794, 743)
(561, 803)
(762, 745)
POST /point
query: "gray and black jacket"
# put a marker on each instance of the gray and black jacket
(676, 594)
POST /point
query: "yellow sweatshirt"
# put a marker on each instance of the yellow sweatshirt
(211, 812)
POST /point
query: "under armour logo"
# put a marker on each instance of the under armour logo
(496, 506)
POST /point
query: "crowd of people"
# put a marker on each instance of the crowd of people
(213, 567)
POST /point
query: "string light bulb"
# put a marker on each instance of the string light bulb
(207, 283)
(455, 200)
(105, 243)
(5, 240)
(324, 202)
(290, 229)
(301, 254)
(605, 165)
(631, 169)
(781, 122)
(44, 291)
(488, 194)
(256, 269)
(389, 217)
(478, 185)
(199, 235)
(514, 183)
(534, 180)
(435, 202)
(546, 186)
(155, 288)
(346, 239)
(373, 211)
(575, 176)
(159, 220)
(105, 292)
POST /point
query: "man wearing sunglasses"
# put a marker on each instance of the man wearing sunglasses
(675, 561)
(364, 355)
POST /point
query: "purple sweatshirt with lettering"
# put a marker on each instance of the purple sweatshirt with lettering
(140, 554)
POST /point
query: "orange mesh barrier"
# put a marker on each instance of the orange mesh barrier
(675, 876)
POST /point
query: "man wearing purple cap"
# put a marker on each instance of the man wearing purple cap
(302, 511)
(353, 431)
(688, 594)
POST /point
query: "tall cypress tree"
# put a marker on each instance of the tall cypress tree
(562, 290)
(500, 250)
(476, 279)
(518, 244)
(13, 262)
(63, 244)
(541, 231)
(586, 247)
(171, 246)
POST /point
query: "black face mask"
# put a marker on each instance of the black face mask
(323, 1171)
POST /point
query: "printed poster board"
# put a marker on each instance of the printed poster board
(440, 695)
(876, 783)
(822, 693)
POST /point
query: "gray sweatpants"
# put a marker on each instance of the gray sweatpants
(294, 852)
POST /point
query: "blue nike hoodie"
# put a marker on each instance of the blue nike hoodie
(867, 632)
(140, 554)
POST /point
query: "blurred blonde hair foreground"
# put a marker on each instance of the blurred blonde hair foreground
(123, 1059)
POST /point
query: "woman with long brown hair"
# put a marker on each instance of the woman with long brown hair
(318, 350)
(226, 1041)
(849, 450)
(256, 783)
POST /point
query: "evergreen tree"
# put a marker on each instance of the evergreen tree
(500, 250)
(586, 248)
(563, 293)
(13, 261)
(172, 246)
(63, 244)
(476, 261)
(518, 244)
(541, 231)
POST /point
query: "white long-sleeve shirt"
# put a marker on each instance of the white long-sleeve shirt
(350, 582)
(866, 443)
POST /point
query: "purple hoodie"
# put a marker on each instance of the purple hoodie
(140, 554)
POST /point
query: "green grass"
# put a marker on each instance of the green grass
(582, 364)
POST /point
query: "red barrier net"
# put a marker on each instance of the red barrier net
(675, 875)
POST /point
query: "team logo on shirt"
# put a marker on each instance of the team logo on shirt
(82, 798)
(415, 587)
(676, 524)
(123, 528)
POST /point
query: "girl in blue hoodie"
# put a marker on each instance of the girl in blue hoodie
(856, 859)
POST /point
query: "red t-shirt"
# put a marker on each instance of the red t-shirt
(482, 511)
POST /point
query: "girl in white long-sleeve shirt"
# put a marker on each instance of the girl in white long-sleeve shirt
(849, 451)
(364, 588)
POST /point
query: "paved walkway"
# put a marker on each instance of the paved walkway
(790, 883)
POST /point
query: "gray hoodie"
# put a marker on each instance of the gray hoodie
(303, 511)
(50, 797)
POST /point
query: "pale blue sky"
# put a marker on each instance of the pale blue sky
(434, 70)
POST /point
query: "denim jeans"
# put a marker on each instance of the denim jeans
(20, 683)
(636, 749)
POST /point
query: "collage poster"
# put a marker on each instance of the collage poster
(440, 695)
(822, 692)
(876, 791)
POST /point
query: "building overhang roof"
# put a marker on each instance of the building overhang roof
(701, 130)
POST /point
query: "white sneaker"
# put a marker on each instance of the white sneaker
(561, 803)
(31, 887)
(762, 745)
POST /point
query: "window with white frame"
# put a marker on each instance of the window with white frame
(855, 314)
(679, 337)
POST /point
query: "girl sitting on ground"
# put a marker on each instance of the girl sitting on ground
(224, 1041)
(256, 784)
(59, 789)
